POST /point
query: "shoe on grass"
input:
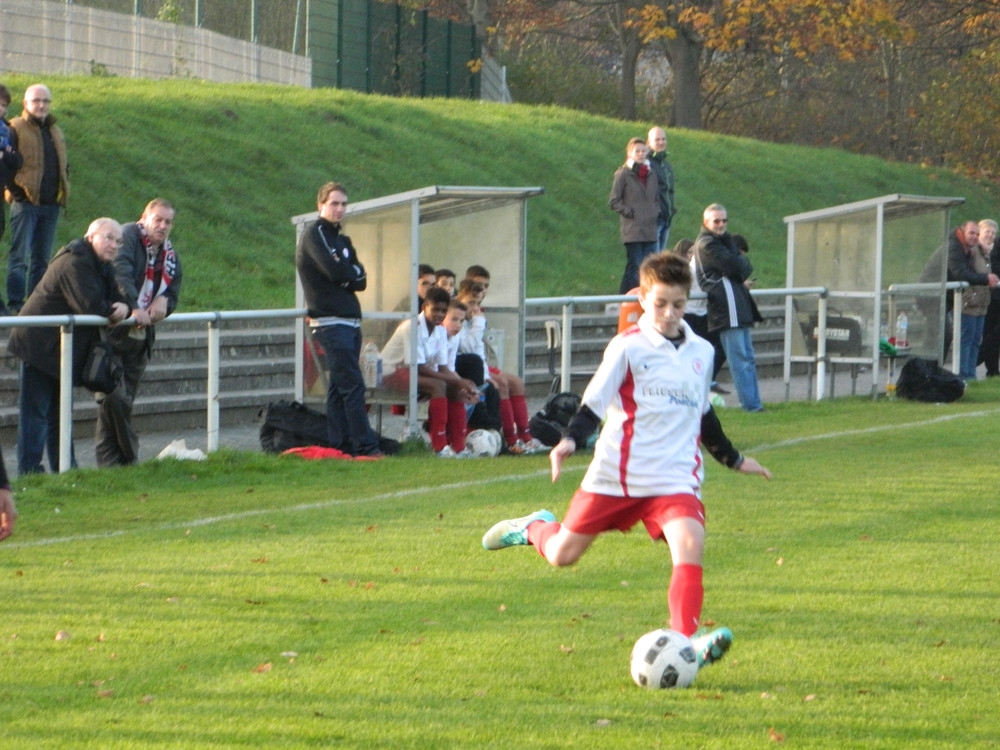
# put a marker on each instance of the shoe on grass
(514, 531)
(711, 646)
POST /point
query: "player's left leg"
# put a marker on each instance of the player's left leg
(684, 533)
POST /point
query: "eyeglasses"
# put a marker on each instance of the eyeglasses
(112, 238)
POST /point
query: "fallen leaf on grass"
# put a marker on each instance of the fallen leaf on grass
(775, 735)
(261, 560)
(105, 693)
(289, 654)
(810, 697)
(146, 699)
(260, 668)
(62, 635)
(567, 649)
(602, 723)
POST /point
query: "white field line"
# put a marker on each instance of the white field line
(210, 520)
(412, 491)
(872, 430)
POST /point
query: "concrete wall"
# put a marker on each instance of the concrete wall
(39, 36)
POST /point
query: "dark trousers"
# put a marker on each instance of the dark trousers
(116, 442)
(346, 418)
(38, 422)
(989, 349)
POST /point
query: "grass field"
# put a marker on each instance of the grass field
(255, 601)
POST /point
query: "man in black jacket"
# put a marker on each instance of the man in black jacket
(722, 270)
(149, 276)
(331, 274)
(79, 281)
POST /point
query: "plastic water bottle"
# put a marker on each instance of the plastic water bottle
(370, 361)
(902, 331)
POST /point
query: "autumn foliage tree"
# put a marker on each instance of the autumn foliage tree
(901, 79)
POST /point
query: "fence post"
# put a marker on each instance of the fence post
(565, 356)
(214, 356)
(65, 398)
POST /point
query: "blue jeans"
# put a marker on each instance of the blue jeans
(32, 234)
(38, 422)
(662, 234)
(972, 337)
(738, 346)
(347, 423)
(635, 254)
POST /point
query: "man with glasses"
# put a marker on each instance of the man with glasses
(80, 280)
(721, 271)
(149, 275)
(38, 191)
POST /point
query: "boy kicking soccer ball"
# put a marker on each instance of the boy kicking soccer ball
(653, 388)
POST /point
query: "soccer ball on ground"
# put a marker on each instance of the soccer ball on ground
(484, 443)
(664, 659)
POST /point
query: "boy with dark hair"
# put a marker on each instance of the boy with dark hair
(445, 278)
(654, 380)
(447, 391)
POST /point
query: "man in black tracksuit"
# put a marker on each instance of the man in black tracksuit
(331, 274)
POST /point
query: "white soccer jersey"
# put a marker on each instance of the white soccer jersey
(652, 395)
(432, 347)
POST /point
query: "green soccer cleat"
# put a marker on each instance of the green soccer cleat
(711, 646)
(514, 531)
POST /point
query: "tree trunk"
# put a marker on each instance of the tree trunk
(684, 52)
(630, 46)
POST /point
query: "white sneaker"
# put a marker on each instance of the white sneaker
(446, 452)
(534, 446)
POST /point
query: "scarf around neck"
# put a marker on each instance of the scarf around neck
(149, 290)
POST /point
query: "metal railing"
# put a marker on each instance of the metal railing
(66, 324)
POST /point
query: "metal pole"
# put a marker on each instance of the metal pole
(821, 348)
(566, 355)
(214, 357)
(65, 398)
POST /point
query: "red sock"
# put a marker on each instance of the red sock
(437, 419)
(457, 425)
(685, 598)
(539, 533)
(507, 422)
(520, 406)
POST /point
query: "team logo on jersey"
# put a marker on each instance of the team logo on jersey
(698, 366)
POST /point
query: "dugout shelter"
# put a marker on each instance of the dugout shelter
(872, 257)
(445, 227)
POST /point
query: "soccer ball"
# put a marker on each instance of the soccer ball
(484, 443)
(664, 659)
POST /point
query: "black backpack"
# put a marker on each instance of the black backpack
(548, 425)
(291, 424)
(926, 380)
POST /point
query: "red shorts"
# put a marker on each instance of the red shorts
(591, 513)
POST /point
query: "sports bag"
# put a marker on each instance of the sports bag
(926, 380)
(291, 424)
(548, 425)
